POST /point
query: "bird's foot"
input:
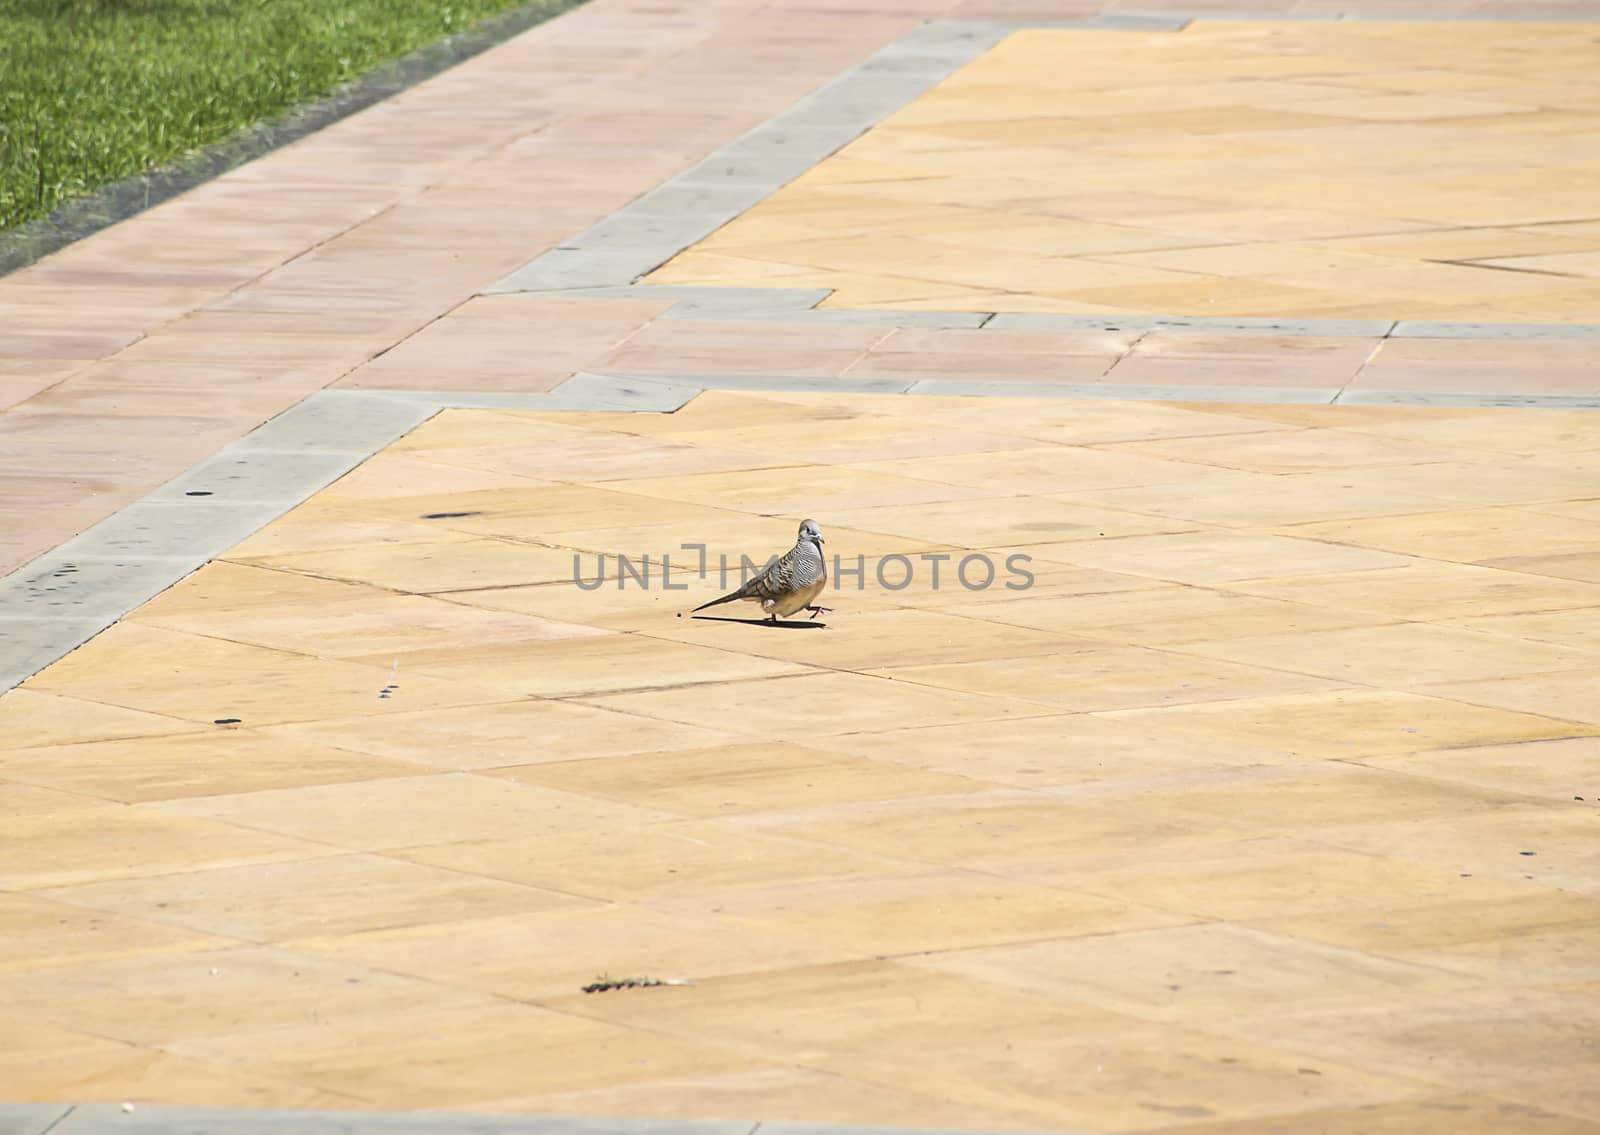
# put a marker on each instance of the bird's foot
(815, 611)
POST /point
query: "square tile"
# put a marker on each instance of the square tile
(50, 850)
(781, 707)
(407, 811)
(734, 779)
(334, 894)
(1353, 723)
(40, 932)
(1094, 680)
(1399, 656)
(514, 733)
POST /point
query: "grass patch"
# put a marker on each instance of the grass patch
(92, 91)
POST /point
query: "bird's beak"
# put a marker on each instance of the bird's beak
(820, 540)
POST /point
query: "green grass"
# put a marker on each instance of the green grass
(92, 91)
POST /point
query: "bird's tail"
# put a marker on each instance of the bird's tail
(728, 598)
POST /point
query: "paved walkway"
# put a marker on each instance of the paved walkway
(1262, 801)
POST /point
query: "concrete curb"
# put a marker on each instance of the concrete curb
(106, 1119)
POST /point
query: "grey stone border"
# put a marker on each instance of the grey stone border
(107, 1119)
(607, 260)
(62, 599)
(87, 215)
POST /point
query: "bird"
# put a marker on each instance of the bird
(790, 583)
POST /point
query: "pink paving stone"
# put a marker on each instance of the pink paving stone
(1481, 379)
(152, 300)
(959, 340)
(977, 365)
(1133, 369)
(16, 389)
(111, 399)
(535, 378)
(198, 344)
(1488, 352)
(681, 333)
(554, 308)
(17, 341)
(483, 347)
(1334, 352)
(727, 360)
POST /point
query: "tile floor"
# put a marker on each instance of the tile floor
(1268, 168)
(1269, 806)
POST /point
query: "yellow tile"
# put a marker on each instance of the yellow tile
(1198, 974)
(1224, 557)
(1505, 1040)
(617, 941)
(1354, 723)
(1058, 469)
(1070, 1065)
(220, 760)
(24, 800)
(399, 474)
(1000, 522)
(1452, 1113)
(1577, 627)
(384, 627)
(1426, 589)
(205, 680)
(604, 665)
(29, 719)
(655, 861)
(731, 779)
(1399, 656)
(335, 894)
(1299, 451)
(464, 1057)
(159, 1001)
(511, 733)
(1161, 615)
(1108, 679)
(1017, 831)
(1309, 797)
(445, 565)
(56, 1064)
(605, 457)
(1268, 880)
(221, 586)
(929, 913)
(1464, 536)
(1062, 749)
(1564, 695)
(815, 704)
(1248, 500)
(783, 1093)
(408, 811)
(51, 851)
(801, 491)
(40, 932)
(985, 184)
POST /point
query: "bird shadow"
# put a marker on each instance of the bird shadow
(783, 624)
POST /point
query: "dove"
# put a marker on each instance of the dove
(790, 583)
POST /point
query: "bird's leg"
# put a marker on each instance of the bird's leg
(815, 610)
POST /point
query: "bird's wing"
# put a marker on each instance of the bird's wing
(768, 583)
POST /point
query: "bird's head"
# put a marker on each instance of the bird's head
(810, 531)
